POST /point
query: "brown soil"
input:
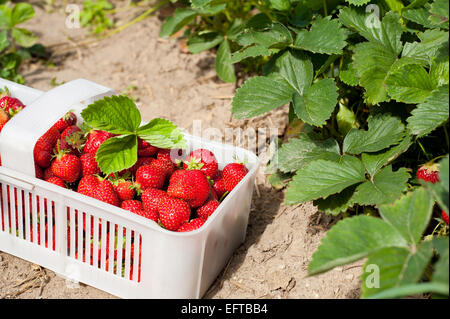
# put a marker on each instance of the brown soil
(272, 263)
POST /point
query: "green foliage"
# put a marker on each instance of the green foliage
(94, 17)
(119, 115)
(16, 43)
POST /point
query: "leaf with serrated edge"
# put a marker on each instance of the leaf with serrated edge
(352, 239)
(325, 36)
(337, 203)
(259, 95)
(115, 114)
(384, 130)
(180, 18)
(224, 66)
(204, 41)
(296, 69)
(322, 178)
(162, 133)
(430, 114)
(117, 153)
(396, 267)
(298, 152)
(317, 103)
(384, 187)
(357, 2)
(410, 214)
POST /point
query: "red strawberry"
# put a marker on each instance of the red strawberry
(203, 160)
(151, 198)
(444, 217)
(191, 186)
(39, 173)
(67, 120)
(124, 189)
(105, 192)
(67, 167)
(43, 149)
(132, 205)
(170, 155)
(48, 173)
(4, 118)
(191, 226)
(57, 181)
(149, 215)
(95, 140)
(167, 166)
(207, 209)
(10, 104)
(72, 139)
(87, 185)
(148, 176)
(429, 172)
(219, 185)
(140, 162)
(232, 174)
(145, 149)
(89, 165)
(173, 212)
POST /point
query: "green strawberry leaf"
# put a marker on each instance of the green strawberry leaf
(224, 66)
(281, 5)
(352, 239)
(116, 114)
(322, 178)
(117, 153)
(163, 134)
(337, 203)
(259, 95)
(430, 114)
(385, 187)
(4, 43)
(440, 190)
(251, 52)
(431, 42)
(326, 36)
(358, 2)
(180, 18)
(383, 131)
(21, 12)
(23, 37)
(440, 13)
(204, 41)
(298, 152)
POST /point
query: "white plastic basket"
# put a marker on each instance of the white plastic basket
(173, 265)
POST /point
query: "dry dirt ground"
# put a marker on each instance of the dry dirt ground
(169, 83)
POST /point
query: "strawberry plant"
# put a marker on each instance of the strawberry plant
(16, 43)
(94, 17)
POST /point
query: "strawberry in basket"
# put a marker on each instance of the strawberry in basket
(9, 104)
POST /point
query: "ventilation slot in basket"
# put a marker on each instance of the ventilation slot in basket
(26, 216)
(104, 245)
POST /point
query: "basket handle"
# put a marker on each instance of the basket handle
(18, 138)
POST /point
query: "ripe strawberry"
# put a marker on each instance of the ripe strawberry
(145, 149)
(66, 166)
(429, 172)
(10, 104)
(57, 181)
(95, 140)
(219, 185)
(148, 176)
(151, 198)
(204, 160)
(124, 189)
(149, 215)
(444, 217)
(67, 120)
(173, 212)
(207, 209)
(43, 149)
(39, 173)
(191, 186)
(87, 185)
(89, 165)
(48, 173)
(170, 155)
(72, 139)
(191, 226)
(132, 205)
(232, 174)
(167, 166)
(4, 118)
(140, 162)
(105, 192)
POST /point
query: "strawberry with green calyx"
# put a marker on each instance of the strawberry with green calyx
(72, 139)
(69, 119)
(173, 212)
(191, 186)
(9, 104)
(232, 174)
(429, 172)
(66, 166)
(202, 159)
(191, 226)
(125, 189)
